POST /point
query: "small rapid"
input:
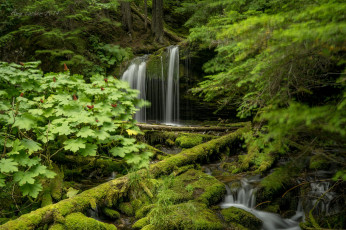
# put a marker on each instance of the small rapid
(242, 195)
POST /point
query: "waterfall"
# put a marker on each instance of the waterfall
(159, 85)
(243, 196)
(172, 94)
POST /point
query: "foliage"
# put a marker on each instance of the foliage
(78, 34)
(281, 63)
(42, 115)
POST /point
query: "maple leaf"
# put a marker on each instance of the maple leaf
(31, 189)
(71, 192)
(24, 178)
(23, 159)
(85, 132)
(31, 145)
(101, 135)
(131, 132)
(16, 147)
(118, 151)
(8, 165)
(64, 129)
(74, 145)
(26, 121)
(90, 150)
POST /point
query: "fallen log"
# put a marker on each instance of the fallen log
(187, 128)
(108, 193)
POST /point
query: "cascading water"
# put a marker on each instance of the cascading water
(159, 86)
(243, 197)
(135, 75)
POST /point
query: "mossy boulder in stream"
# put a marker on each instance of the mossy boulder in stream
(194, 184)
(111, 213)
(241, 217)
(189, 215)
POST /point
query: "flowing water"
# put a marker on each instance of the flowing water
(242, 195)
(160, 86)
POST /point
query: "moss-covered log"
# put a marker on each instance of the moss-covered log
(187, 128)
(108, 193)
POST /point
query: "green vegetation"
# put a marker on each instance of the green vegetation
(67, 120)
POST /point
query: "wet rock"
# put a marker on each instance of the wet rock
(241, 217)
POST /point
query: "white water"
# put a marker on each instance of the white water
(244, 197)
(135, 76)
(160, 86)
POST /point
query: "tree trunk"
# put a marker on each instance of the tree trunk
(157, 23)
(126, 16)
(187, 128)
(145, 15)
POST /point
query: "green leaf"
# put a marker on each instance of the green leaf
(102, 135)
(31, 145)
(16, 147)
(24, 178)
(90, 150)
(8, 165)
(23, 159)
(49, 174)
(71, 192)
(74, 144)
(31, 189)
(26, 121)
(2, 180)
(64, 129)
(118, 151)
(38, 170)
(85, 132)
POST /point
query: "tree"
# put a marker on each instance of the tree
(126, 16)
(157, 20)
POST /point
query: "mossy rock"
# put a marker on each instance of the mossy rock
(126, 208)
(319, 162)
(57, 227)
(141, 223)
(4, 220)
(111, 213)
(194, 184)
(78, 221)
(189, 215)
(140, 213)
(242, 217)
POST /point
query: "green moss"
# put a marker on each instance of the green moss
(136, 204)
(57, 227)
(319, 162)
(56, 185)
(140, 213)
(46, 199)
(149, 227)
(190, 215)
(78, 221)
(188, 141)
(4, 220)
(242, 217)
(111, 213)
(141, 223)
(126, 208)
(201, 187)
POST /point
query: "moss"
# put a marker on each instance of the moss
(57, 227)
(136, 204)
(56, 185)
(126, 208)
(272, 208)
(46, 199)
(111, 213)
(78, 221)
(242, 217)
(319, 162)
(140, 213)
(190, 215)
(141, 223)
(169, 142)
(194, 184)
(149, 227)
(188, 141)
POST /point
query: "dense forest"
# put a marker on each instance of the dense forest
(185, 114)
